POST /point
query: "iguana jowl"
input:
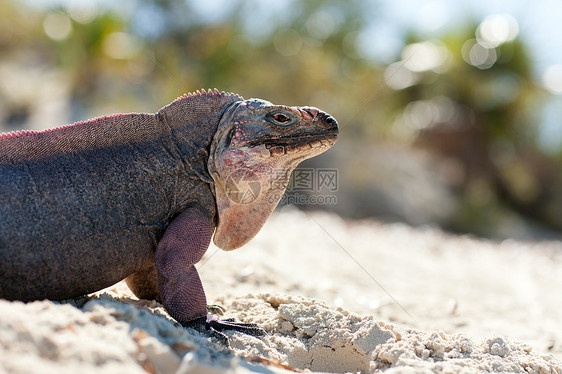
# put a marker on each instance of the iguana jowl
(138, 196)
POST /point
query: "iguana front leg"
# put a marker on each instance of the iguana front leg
(183, 244)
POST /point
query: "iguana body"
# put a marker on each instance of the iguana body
(138, 196)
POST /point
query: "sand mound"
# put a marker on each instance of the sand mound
(109, 335)
(306, 334)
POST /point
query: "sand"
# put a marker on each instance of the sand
(334, 296)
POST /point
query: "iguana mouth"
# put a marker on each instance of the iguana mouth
(295, 144)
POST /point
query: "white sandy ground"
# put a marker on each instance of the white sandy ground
(334, 296)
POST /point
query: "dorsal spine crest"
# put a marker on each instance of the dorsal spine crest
(209, 92)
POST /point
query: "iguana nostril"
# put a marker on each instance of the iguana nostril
(321, 118)
(327, 121)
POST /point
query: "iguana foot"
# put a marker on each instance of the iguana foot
(215, 326)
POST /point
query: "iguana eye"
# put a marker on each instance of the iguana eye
(281, 118)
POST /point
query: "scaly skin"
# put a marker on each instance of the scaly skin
(138, 197)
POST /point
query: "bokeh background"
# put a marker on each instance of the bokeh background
(450, 112)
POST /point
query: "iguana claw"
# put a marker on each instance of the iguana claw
(216, 326)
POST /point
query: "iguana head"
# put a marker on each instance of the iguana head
(253, 153)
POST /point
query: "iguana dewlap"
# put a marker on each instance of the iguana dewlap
(139, 196)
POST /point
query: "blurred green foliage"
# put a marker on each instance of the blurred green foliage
(466, 105)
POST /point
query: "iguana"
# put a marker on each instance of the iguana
(139, 196)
